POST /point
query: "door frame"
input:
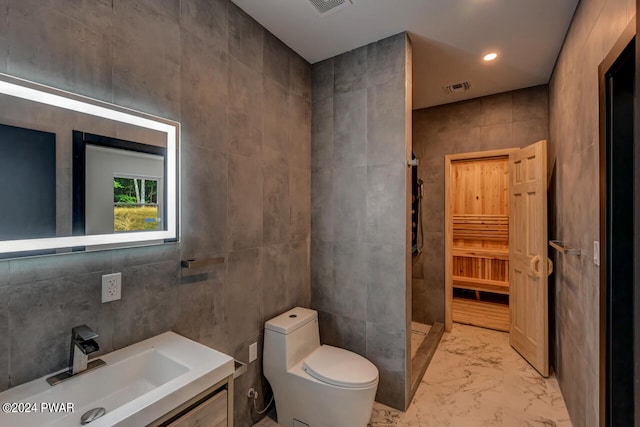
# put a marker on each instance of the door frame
(623, 41)
(448, 230)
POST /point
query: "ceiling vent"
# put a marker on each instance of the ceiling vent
(460, 87)
(325, 7)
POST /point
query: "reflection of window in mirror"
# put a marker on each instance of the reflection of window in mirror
(119, 186)
(135, 204)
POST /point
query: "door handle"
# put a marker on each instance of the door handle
(534, 266)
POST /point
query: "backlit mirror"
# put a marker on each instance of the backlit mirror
(81, 174)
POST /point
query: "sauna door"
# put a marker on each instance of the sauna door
(528, 262)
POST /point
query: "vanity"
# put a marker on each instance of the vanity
(166, 380)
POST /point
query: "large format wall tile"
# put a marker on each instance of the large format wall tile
(385, 207)
(298, 289)
(204, 95)
(300, 200)
(350, 275)
(349, 203)
(274, 136)
(245, 203)
(573, 154)
(386, 127)
(385, 348)
(350, 71)
(385, 279)
(204, 202)
(358, 202)
(322, 133)
(245, 38)
(276, 217)
(276, 56)
(386, 59)
(322, 276)
(275, 277)
(343, 332)
(350, 129)
(146, 59)
(300, 77)
(531, 104)
(496, 109)
(148, 305)
(57, 44)
(322, 77)
(245, 110)
(322, 205)
(203, 309)
(210, 66)
(206, 19)
(244, 290)
(299, 147)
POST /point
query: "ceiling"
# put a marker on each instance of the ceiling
(449, 38)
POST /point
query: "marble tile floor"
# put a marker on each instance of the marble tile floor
(266, 422)
(476, 379)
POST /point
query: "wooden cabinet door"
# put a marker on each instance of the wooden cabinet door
(528, 265)
(211, 413)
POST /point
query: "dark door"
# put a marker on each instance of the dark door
(619, 239)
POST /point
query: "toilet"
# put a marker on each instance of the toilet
(315, 385)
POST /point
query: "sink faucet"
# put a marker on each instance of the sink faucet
(82, 345)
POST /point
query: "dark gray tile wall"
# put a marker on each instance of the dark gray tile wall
(244, 101)
(358, 207)
(506, 120)
(574, 176)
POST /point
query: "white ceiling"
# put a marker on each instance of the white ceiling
(449, 38)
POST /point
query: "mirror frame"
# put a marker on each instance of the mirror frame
(24, 89)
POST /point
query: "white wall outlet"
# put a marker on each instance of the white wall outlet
(111, 287)
(596, 253)
(253, 352)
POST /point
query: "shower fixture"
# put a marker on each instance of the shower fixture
(417, 194)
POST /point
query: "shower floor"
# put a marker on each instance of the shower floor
(419, 332)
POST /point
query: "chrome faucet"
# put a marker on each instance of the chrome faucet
(82, 345)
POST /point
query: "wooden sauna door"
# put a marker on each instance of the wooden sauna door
(528, 262)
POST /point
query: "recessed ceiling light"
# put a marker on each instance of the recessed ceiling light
(490, 56)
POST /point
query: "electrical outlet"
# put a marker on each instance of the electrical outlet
(111, 287)
(253, 352)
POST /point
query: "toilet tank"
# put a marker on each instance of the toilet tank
(290, 337)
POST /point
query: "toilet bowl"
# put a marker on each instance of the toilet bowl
(315, 385)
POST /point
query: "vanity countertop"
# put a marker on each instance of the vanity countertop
(138, 385)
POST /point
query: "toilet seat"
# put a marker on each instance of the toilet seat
(340, 367)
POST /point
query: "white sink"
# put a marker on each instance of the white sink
(139, 384)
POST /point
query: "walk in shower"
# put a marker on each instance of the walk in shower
(425, 335)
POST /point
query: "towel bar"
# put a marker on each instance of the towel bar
(563, 248)
(196, 263)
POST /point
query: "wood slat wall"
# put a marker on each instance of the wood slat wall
(480, 225)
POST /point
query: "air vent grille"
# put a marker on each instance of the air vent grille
(326, 6)
(459, 87)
